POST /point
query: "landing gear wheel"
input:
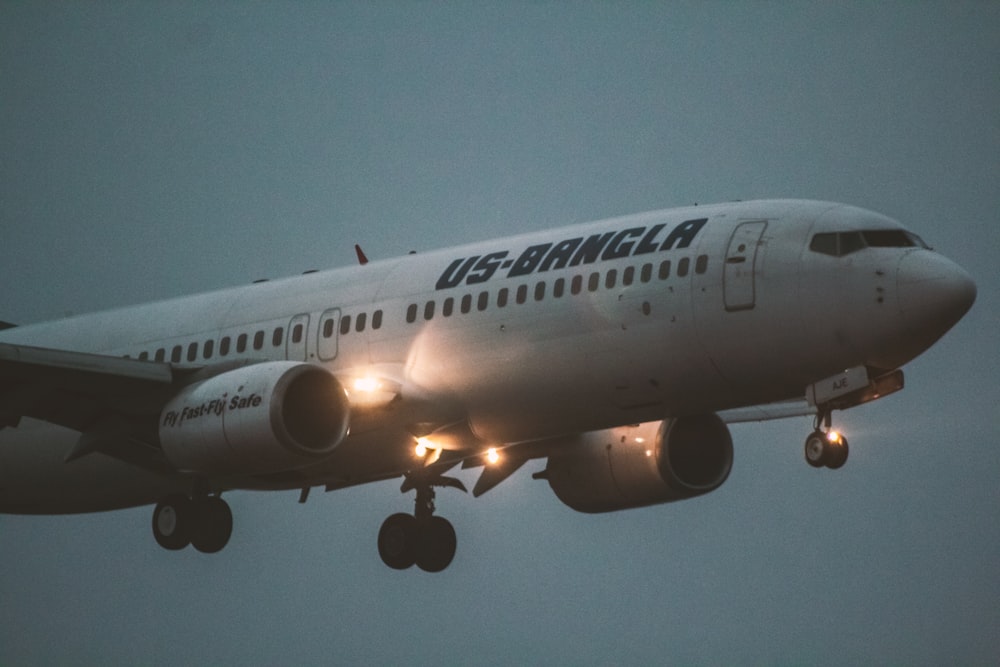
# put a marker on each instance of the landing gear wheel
(436, 543)
(816, 447)
(172, 522)
(212, 525)
(836, 455)
(397, 541)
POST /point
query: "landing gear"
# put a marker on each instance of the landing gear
(421, 538)
(824, 446)
(205, 523)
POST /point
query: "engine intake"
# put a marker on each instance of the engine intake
(642, 465)
(267, 417)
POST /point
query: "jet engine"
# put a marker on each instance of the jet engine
(266, 417)
(641, 465)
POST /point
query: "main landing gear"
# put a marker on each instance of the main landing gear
(204, 522)
(825, 447)
(421, 538)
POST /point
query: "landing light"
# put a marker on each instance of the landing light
(366, 384)
(834, 436)
(421, 448)
(492, 456)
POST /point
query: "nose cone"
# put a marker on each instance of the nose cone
(934, 294)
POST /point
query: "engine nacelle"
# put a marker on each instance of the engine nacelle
(635, 466)
(262, 418)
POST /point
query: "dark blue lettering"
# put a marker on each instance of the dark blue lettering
(485, 268)
(683, 234)
(648, 243)
(528, 260)
(591, 248)
(617, 249)
(455, 272)
(560, 254)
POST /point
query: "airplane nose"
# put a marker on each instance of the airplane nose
(934, 294)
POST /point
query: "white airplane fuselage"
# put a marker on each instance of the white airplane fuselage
(526, 338)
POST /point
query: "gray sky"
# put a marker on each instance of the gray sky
(149, 150)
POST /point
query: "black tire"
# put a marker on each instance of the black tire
(816, 449)
(436, 543)
(172, 522)
(397, 541)
(212, 525)
(837, 454)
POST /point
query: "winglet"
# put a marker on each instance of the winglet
(361, 255)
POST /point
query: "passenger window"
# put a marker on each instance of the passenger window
(683, 266)
(576, 285)
(522, 293)
(502, 297)
(258, 340)
(175, 354)
(628, 275)
(192, 351)
(594, 282)
(646, 274)
(276, 336)
(466, 303)
(297, 334)
(224, 346)
(701, 264)
(448, 307)
(160, 354)
(558, 287)
(361, 322)
(411, 313)
(377, 319)
(429, 310)
(611, 278)
(345, 325)
(208, 349)
(540, 291)
(328, 328)
(664, 270)
(484, 300)
(241, 344)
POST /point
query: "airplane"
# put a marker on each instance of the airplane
(618, 351)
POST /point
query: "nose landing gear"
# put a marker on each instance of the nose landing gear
(420, 539)
(825, 447)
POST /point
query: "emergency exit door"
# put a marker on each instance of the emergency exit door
(738, 283)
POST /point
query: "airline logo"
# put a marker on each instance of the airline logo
(216, 407)
(630, 242)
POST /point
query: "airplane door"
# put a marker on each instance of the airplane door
(329, 329)
(298, 338)
(741, 260)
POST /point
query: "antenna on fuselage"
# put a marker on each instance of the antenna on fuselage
(362, 259)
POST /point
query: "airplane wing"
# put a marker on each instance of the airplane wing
(768, 411)
(108, 399)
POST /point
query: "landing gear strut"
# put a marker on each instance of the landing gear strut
(421, 538)
(204, 522)
(825, 447)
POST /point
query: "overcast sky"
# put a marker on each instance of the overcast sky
(149, 150)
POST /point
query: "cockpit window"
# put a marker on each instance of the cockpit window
(892, 238)
(839, 244)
